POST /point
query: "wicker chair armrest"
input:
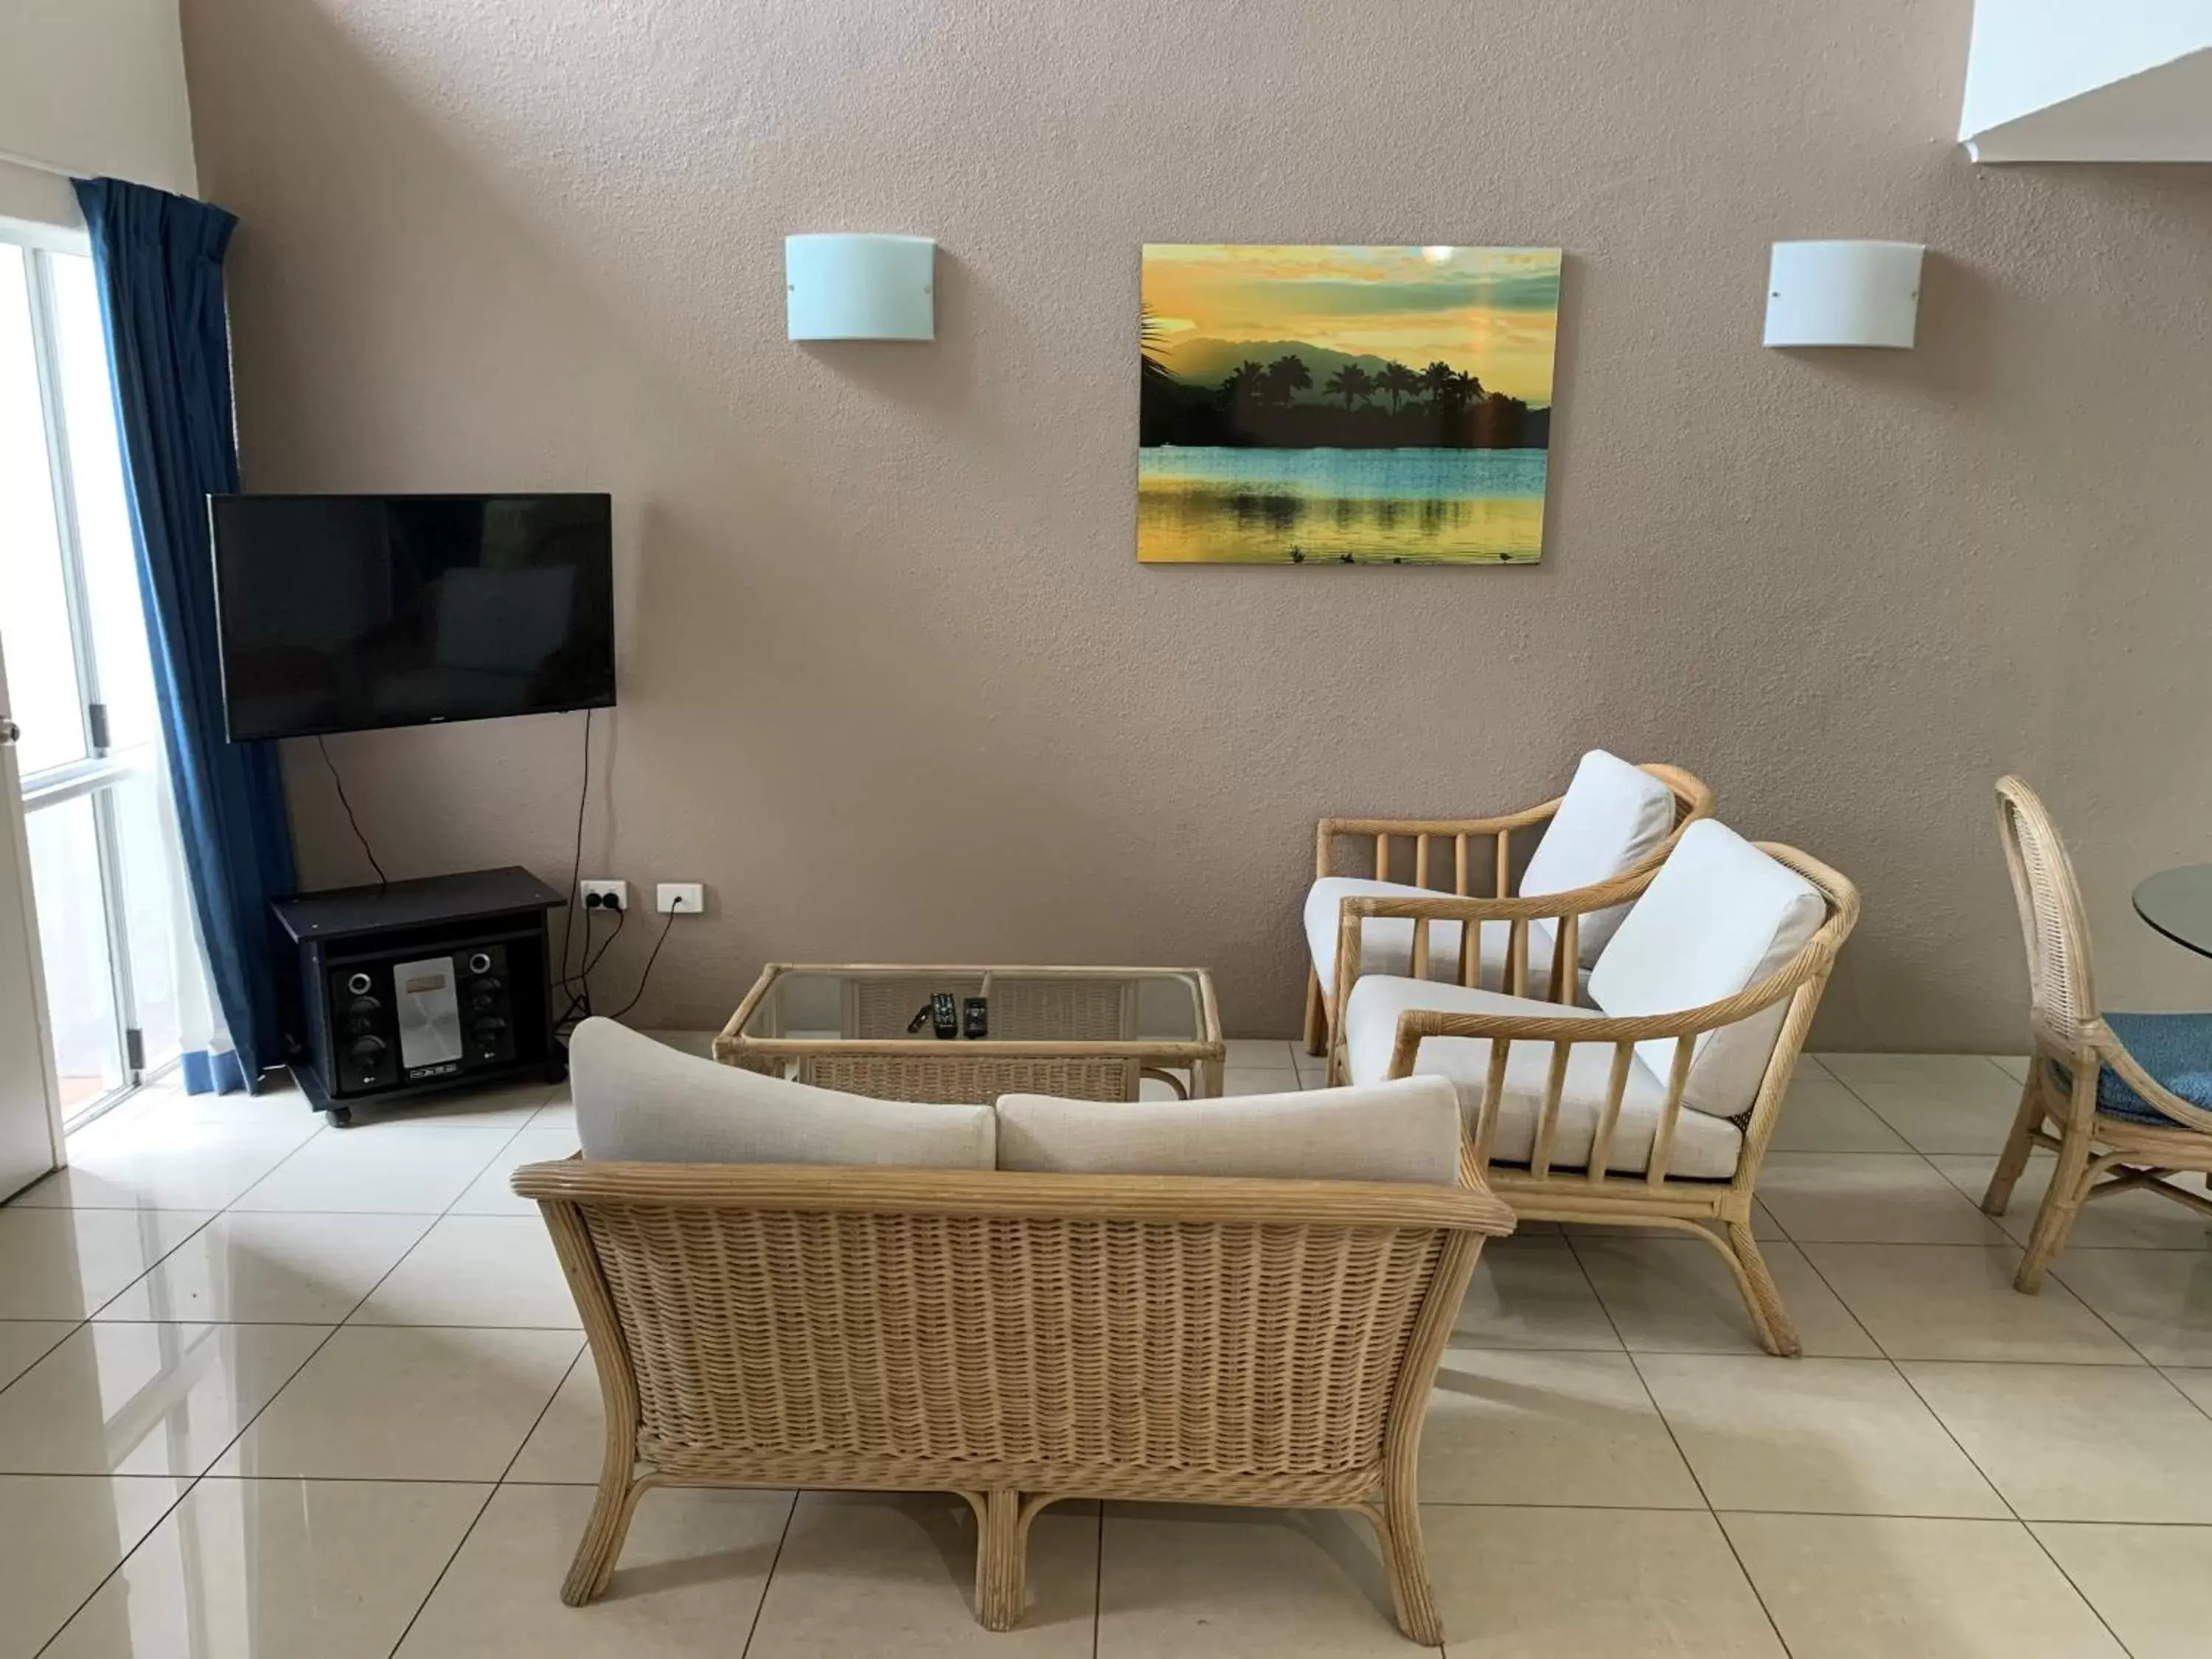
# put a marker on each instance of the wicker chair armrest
(845, 1189)
(2110, 1051)
(1415, 1023)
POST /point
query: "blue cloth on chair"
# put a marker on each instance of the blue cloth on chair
(2175, 1049)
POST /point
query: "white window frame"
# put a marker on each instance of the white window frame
(102, 768)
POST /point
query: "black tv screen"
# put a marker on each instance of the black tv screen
(339, 613)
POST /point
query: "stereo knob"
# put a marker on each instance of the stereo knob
(480, 963)
(363, 1007)
(359, 984)
(367, 1047)
(489, 1025)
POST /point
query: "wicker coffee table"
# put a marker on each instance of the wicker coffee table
(1086, 1033)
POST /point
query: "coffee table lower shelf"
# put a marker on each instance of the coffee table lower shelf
(1081, 1032)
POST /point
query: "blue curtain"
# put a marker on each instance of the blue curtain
(158, 260)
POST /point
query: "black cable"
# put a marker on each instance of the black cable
(621, 916)
(383, 881)
(673, 913)
(576, 863)
(579, 999)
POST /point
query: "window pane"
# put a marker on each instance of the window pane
(65, 845)
(152, 920)
(34, 626)
(117, 619)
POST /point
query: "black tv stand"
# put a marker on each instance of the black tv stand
(418, 988)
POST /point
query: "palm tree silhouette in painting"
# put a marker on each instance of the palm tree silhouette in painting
(1286, 377)
(1245, 386)
(1394, 381)
(1352, 384)
(1437, 381)
(1151, 339)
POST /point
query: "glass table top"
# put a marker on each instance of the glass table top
(2179, 903)
(1017, 1005)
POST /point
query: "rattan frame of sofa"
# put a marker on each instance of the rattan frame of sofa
(2099, 1156)
(1692, 800)
(1016, 1339)
(1717, 1212)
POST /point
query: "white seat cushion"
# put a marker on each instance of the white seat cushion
(1386, 943)
(1719, 917)
(1704, 1147)
(1612, 816)
(637, 1098)
(1403, 1131)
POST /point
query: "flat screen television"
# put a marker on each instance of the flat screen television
(340, 613)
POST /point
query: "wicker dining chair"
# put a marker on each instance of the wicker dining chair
(1460, 839)
(2102, 1089)
(1573, 1119)
(1017, 1338)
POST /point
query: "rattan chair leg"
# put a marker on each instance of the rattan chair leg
(1405, 1562)
(2054, 1222)
(1001, 1547)
(603, 1539)
(1317, 1016)
(2018, 1144)
(1777, 1333)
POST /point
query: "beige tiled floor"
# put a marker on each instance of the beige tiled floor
(268, 1388)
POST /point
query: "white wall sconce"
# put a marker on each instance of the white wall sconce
(1843, 294)
(861, 287)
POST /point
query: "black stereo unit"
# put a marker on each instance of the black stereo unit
(422, 986)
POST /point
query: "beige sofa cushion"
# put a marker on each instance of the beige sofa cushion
(1704, 1147)
(640, 1099)
(1403, 1131)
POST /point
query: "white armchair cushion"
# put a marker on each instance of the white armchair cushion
(1719, 917)
(1405, 1131)
(1704, 1147)
(640, 1099)
(1386, 943)
(1612, 816)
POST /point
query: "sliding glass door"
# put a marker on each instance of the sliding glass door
(100, 830)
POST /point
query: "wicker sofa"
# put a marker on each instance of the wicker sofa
(1017, 1335)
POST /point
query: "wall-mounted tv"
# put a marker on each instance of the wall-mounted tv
(339, 613)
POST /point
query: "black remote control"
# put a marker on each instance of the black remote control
(975, 1017)
(944, 1015)
(921, 1018)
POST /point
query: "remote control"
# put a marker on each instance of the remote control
(945, 1014)
(975, 1017)
(921, 1018)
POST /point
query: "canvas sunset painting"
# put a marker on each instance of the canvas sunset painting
(1358, 405)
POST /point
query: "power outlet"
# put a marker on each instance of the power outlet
(690, 898)
(604, 895)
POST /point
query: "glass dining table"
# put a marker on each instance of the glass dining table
(2179, 903)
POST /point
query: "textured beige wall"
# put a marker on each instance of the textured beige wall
(893, 683)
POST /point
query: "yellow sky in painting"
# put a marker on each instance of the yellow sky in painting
(1493, 312)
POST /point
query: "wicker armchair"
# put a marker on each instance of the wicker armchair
(1017, 1339)
(1539, 1183)
(1427, 836)
(2115, 1126)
